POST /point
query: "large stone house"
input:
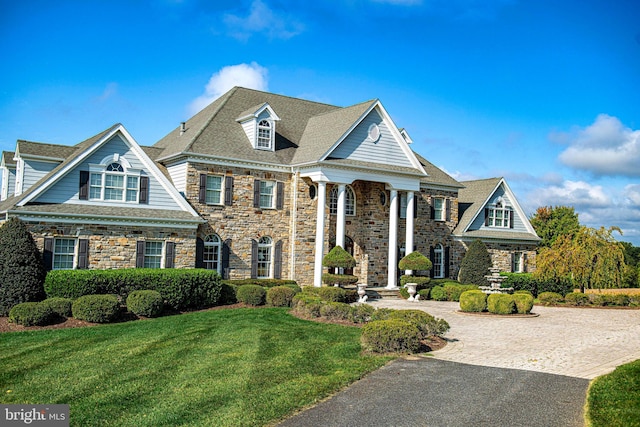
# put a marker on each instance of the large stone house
(259, 185)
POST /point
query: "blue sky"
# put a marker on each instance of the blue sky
(544, 93)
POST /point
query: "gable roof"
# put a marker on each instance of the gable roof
(7, 159)
(474, 197)
(435, 175)
(43, 150)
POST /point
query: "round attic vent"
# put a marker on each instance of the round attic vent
(374, 132)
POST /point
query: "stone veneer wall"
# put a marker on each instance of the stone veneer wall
(241, 222)
(501, 254)
(114, 246)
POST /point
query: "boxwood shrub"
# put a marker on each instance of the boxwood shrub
(332, 294)
(180, 288)
(59, 306)
(280, 296)
(426, 323)
(145, 303)
(577, 298)
(550, 298)
(391, 336)
(523, 302)
(265, 283)
(473, 301)
(31, 314)
(307, 305)
(251, 294)
(362, 313)
(96, 308)
(336, 311)
(500, 304)
(422, 281)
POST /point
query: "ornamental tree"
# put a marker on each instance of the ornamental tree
(475, 265)
(339, 258)
(22, 272)
(591, 259)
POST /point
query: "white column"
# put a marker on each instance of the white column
(393, 240)
(410, 225)
(340, 215)
(321, 201)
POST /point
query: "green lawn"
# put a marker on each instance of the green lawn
(236, 367)
(614, 399)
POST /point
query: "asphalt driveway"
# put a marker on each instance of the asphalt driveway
(495, 371)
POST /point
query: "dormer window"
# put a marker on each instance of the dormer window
(113, 180)
(264, 135)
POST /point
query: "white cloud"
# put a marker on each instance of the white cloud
(262, 19)
(578, 194)
(251, 76)
(632, 193)
(606, 147)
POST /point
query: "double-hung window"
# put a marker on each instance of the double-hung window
(113, 182)
(264, 257)
(438, 261)
(264, 135)
(267, 194)
(498, 216)
(153, 254)
(211, 254)
(403, 205)
(438, 209)
(64, 254)
(214, 190)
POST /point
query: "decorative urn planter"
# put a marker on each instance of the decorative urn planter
(411, 289)
(362, 292)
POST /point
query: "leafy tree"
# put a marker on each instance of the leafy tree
(415, 261)
(338, 258)
(22, 272)
(591, 259)
(631, 254)
(475, 264)
(553, 222)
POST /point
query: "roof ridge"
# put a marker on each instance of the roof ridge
(285, 96)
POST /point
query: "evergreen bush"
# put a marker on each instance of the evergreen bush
(523, 302)
(339, 279)
(280, 296)
(336, 311)
(251, 294)
(391, 336)
(362, 313)
(474, 301)
(577, 299)
(96, 308)
(426, 323)
(475, 264)
(500, 304)
(145, 303)
(338, 258)
(550, 298)
(521, 282)
(31, 314)
(59, 306)
(332, 294)
(438, 294)
(22, 272)
(423, 282)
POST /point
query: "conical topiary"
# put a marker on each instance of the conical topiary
(415, 261)
(22, 272)
(475, 264)
(338, 258)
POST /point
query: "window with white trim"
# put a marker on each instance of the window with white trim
(403, 205)
(438, 261)
(212, 251)
(214, 190)
(267, 194)
(499, 216)
(265, 135)
(517, 262)
(153, 254)
(265, 245)
(349, 201)
(439, 209)
(64, 254)
(114, 182)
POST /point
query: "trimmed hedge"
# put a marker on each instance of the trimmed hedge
(265, 283)
(332, 294)
(391, 336)
(523, 302)
(363, 313)
(145, 303)
(473, 301)
(336, 311)
(450, 291)
(180, 288)
(550, 298)
(31, 314)
(251, 294)
(280, 296)
(577, 298)
(340, 279)
(500, 304)
(59, 306)
(96, 308)
(426, 323)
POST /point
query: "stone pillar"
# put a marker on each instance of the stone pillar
(410, 225)
(322, 198)
(340, 217)
(393, 240)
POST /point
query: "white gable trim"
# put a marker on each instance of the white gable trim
(133, 145)
(257, 113)
(392, 128)
(514, 204)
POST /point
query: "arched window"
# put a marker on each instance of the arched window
(211, 255)
(349, 201)
(265, 245)
(438, 261)
(264, 134)
(114, 182)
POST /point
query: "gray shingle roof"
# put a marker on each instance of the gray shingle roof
(7, 158)
(436, 175)
(42, 149)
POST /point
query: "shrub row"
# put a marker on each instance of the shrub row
(180, 288)
(476, 301)
(265, 283)
(526, 282)
(578, 299)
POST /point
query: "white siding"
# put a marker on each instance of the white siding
(518, 223)
(34, 170)
(67, 188)
(250, 129)
(8, 183)
(357, 145)
(178, 173)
